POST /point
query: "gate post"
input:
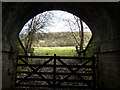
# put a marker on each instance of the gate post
(54, 72)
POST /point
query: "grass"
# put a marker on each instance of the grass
(59, 51)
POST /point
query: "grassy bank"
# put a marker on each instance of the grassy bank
(59, 51)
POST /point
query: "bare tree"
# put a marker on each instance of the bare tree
(36, 25)
(73, 25)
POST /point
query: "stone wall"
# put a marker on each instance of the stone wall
(8, 66)
(108, 76)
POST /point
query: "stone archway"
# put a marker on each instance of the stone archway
(100, 17)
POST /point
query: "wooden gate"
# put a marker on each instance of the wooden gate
(55, 72)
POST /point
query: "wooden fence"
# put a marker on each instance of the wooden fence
(55, 72)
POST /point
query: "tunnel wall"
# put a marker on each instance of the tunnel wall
(102, 18)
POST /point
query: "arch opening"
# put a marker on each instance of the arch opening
(55, 29)
(57, 34)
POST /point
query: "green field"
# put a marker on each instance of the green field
(59, 51)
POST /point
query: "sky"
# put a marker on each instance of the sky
(60, 25)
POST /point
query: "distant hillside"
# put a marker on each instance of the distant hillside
(59, 39)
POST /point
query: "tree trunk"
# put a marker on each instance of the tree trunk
(82, 36)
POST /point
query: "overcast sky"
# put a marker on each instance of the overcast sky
(59, 25)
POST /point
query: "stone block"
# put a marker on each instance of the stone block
(5, 47)
(108, 71)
